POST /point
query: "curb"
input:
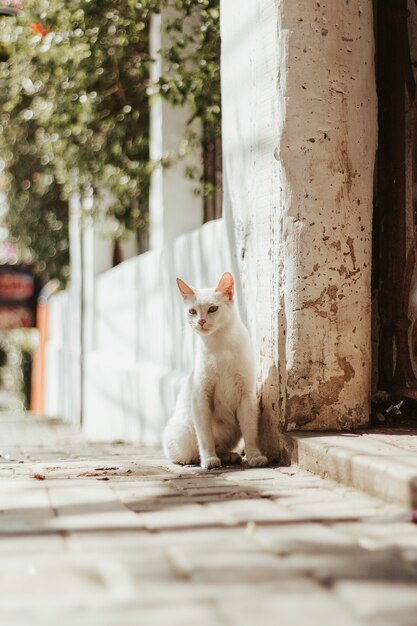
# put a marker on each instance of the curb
(363, 460)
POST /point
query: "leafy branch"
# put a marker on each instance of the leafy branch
(74, 95)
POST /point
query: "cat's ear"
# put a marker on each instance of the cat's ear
(185, 289)
(226, 285)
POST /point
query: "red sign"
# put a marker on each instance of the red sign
(17, 297)
(14, 286)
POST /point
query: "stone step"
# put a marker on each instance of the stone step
(382, 462)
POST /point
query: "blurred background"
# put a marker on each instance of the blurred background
(88, 134)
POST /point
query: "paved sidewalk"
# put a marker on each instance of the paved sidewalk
(113, 535)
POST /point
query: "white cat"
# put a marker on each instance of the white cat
(217, 404)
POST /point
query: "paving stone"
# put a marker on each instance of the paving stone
(185, 614)
(379, 602)
(220, 497)
(249, 510)
(93, 506)
(340, 508)
(115, 520)
(289, 538)
(169, 502)
(7, 472)
(225, 565)
(333, 563)
(212, 490)
(380, 535)
(279, 484)
(95, 469)
(214, 591)
(121, 541)
(132, 490)
(33, 543)
(25, 510)
(293, 602)
(186, 516)
(161, 504)
(278, 490)
(138, 497)
(34, 581)
(249, 474)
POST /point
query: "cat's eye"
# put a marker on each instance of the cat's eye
(192, 312)
(213, 309)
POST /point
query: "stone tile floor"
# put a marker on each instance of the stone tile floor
(114, 535)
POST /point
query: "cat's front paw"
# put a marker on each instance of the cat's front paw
(211, 462)
(258, 460)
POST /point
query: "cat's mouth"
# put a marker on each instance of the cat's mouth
(202, 329)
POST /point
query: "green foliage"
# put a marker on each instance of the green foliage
(16, 352)
(73, 99)
(74, 110)
(193, 61)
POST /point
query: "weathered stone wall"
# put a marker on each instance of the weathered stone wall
(299, 113)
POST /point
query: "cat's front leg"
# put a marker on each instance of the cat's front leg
(247, 416)
(202, 417)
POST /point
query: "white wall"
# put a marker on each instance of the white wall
(174, 207)
(142, 347)
(62, 372)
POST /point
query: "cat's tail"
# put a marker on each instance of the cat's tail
(180, 443)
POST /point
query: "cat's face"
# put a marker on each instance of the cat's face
(208, 310)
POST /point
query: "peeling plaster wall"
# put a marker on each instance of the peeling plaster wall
(299, 135)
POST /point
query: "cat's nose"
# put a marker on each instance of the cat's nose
(201, 322)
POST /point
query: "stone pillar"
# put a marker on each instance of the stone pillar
(299, 136)
(174, 208)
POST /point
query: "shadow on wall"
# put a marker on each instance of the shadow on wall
(272, 442)
(236, 269)
(143, 347)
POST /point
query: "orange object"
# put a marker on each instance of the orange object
(37, 394)
(39, 29)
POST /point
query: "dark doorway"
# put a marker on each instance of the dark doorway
(395, 217)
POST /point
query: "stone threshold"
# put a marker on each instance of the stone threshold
(381, 462)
